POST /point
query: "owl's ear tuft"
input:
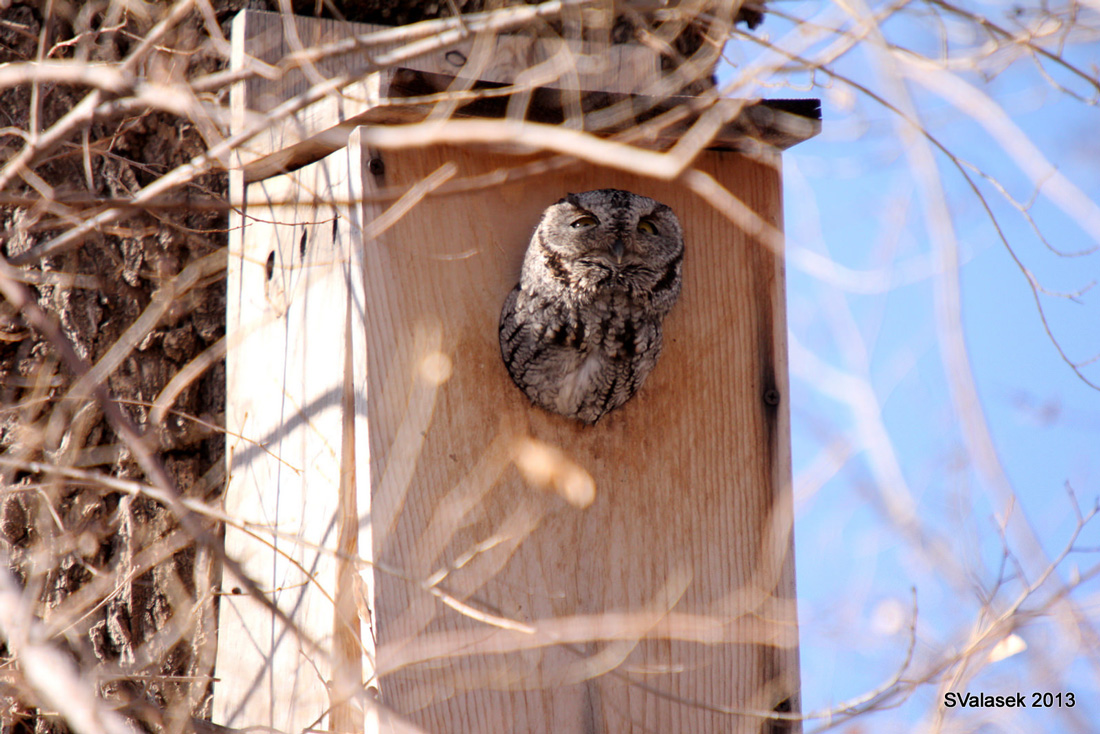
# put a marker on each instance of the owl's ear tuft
(571, 199)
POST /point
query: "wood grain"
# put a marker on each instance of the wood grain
(686, 543)
(296, 387)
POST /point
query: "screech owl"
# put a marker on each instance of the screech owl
(582, 330)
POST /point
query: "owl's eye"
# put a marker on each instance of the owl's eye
(585, 221)
(647, 226)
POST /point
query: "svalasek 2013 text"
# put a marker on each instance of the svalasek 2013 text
(1035, 700)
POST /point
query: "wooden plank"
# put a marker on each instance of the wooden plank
(295, 414)
(765, 123)
(271, 37)
(619, 74)
(516, 601)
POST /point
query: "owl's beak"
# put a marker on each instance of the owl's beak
(617, 250)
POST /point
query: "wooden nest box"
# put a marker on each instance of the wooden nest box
(429, 551)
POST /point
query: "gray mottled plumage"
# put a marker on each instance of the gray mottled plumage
(582, 330)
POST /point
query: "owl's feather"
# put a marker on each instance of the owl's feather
(582, 330)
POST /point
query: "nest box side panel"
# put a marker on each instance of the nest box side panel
(295, 328)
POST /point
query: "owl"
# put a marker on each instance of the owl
(582, 330)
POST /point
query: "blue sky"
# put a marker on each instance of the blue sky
(854, 196)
